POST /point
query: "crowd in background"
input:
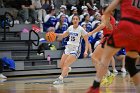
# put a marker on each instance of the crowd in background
(58, 14)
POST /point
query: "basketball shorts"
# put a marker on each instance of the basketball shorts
(126, 35)
(73, 50)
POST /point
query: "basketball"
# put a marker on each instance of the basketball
(50, 36)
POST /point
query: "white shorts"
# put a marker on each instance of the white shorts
(73, 50)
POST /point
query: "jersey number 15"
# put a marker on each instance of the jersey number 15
(72, 38)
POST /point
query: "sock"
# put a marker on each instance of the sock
(61, 77)
(69, 69)
(96, 84)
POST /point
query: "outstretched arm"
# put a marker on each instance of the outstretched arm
(99, 28)
(61, 36)
(108, 12)
(86, 45)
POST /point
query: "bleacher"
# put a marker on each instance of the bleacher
(16, 47)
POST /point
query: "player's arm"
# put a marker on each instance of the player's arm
(109, 10)
(86, 45)
(99, 28)
(61, 36)
(111, 7)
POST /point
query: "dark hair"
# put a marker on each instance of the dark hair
(85, 17)
(50, 9)
(77, 16)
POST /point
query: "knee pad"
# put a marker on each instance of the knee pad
(130, 66)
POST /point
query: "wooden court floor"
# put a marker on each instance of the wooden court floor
(75, 83)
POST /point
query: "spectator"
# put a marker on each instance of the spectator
(39, 9)
(70, 3)
(86, 20)
(89, 4)
(46, 4)
(58, 4)
(84, 25)
(61, 27)
(50, 19)
(1, 70)
(1, 4)
(84, 11)
(121, 56)
(74, 12)
(63, 11)
(97, 19)
(28, 9)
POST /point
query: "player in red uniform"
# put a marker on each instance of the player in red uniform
(96, 55)
(126, 35)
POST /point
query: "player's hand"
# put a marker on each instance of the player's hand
(85, 54)
(90, 33)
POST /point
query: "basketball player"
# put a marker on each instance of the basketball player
(96, 55)
(126, 35)
(72, 49)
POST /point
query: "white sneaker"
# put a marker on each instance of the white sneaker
(123, 70)
(36, 22)
(90, 54)
(58, 82)
(41, 54)
(70, 69)
(2, 80)
(115, 71)
(108, 73)
(26, 22)
(123, 75)
(2, 76)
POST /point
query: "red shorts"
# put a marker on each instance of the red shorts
(103, 41)
(126, 35)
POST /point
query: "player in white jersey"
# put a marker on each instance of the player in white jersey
(72, 49)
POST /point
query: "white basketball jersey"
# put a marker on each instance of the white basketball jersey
(75, 35)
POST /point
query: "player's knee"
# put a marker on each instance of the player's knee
(130, 66)
(94, 59)
(65, 68)
(105, 66)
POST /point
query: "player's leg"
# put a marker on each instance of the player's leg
(63, 58)
(70, 59)
(105, 60)
(131, 67)
(96, 56)
(113, 65)
(103, 67)
(123, 63)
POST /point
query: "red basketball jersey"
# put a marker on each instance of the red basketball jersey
(130, 9)
(107, 31)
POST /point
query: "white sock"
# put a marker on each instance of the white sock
(61, 77)
(69, 69)
(97, 79)
(108, 73)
